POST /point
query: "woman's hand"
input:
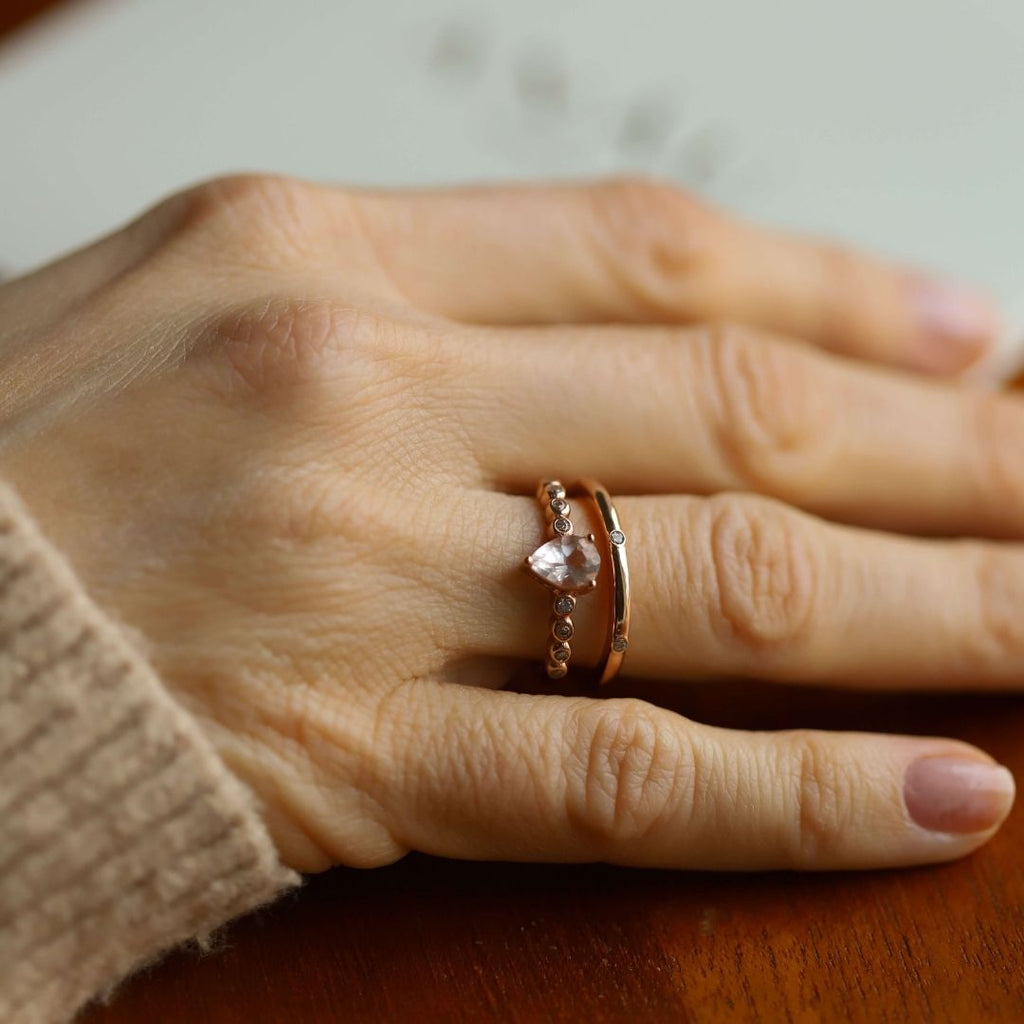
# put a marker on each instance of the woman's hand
(283, 433)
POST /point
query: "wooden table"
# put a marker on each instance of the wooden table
(430, 940)
(15, 13)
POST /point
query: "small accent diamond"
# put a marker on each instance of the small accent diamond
(562, 525)
(565, 604)
(559, 506)
(556, 490)
(617, 537)
(562, 629)
(619, 644)
(560, 654)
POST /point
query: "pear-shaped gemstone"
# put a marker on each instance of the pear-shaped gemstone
(567, 563)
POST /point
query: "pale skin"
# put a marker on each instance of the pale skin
(288, 435)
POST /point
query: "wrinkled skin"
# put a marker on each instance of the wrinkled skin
(287, 435)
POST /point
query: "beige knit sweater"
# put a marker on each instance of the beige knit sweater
(121, 833)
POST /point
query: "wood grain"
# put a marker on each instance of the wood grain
(430, 940)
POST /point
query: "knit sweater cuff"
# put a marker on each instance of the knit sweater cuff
(121, 832)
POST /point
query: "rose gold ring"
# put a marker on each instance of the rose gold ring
(568, 566)
(615, 550)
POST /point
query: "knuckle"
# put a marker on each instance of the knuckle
(249, 196)
(277, 344)
(823, 800)
(654, 239)
(998, 634)
(764, 572)
(995, 452)
(627, 770)
(254, 217)
(842, 291)
(767, 407)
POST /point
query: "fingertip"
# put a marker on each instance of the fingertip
(958, 795)
(909, 801)
(1003, 362)
(955, 325)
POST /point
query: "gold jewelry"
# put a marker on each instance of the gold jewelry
(567, 565)
(618, 608)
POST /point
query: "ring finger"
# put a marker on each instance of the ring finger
(737, 585)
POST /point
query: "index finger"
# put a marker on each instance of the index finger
(645, 252)
(482, 774)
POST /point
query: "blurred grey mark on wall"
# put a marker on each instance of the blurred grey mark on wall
(647, 125)
(460, 50)
(540, 104)
(703, 156)
(542, 80)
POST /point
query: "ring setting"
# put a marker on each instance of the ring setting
(569, 565)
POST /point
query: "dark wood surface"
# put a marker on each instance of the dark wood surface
(15, 14)
(429, 940)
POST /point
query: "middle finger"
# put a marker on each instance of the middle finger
(701, 410)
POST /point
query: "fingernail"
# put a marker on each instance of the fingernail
(947, 794)
(956, 324)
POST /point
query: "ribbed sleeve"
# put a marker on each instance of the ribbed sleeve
(121, 833)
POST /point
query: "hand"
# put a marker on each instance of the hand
(285, 434)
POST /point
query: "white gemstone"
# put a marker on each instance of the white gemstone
(568, 563)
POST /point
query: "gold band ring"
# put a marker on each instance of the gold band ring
(618, 610)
